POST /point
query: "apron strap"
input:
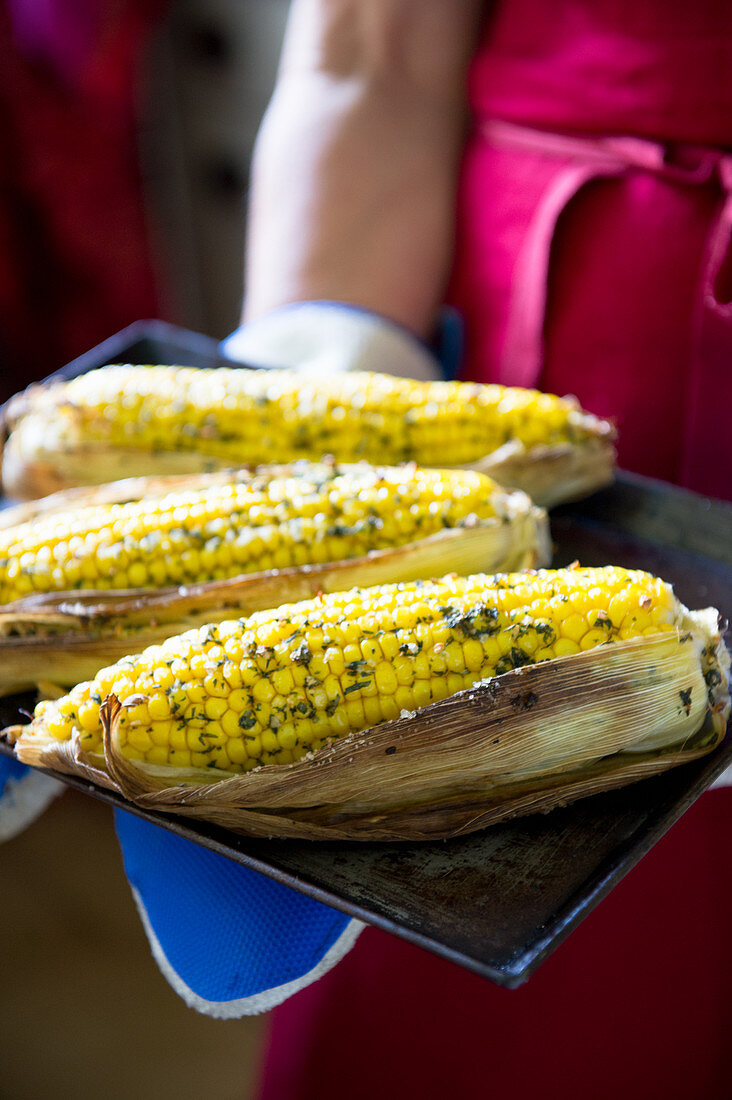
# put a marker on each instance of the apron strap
(580, 160)
(523, 346)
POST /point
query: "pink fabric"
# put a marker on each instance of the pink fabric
(654, 68)
(74, 253)
(92, 48)
(588, 259)
(635, 1004)
(605, 291)
(707, 450)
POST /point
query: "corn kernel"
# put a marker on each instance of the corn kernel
(157, 755)
(236, 750)
(88, 716)
(139, 739)
(158, 706)
(215, 707)
(269, 741)
(286, 736)
(230, 723)
(254, 747)
(386, 678)
(178, 740)
(179, 758)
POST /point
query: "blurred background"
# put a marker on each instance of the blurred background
(126, 132)
(209, 75)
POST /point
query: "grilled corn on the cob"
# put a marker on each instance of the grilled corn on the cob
(270, 688)
(283, 684)
(126, 420)
(246, 526)
(83, 585)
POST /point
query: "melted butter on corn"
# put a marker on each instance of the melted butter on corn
(263, 416)
(317, 514)
(271, 688)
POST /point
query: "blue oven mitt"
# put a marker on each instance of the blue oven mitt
(231, 942)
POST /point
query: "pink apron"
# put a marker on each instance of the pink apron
(592, 257)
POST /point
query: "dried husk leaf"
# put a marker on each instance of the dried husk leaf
(67, 637)
(556, 474)
(526, 741)
(46, 452)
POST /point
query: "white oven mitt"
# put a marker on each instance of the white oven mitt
(328, 337)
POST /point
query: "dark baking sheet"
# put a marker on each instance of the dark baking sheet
(500, 901)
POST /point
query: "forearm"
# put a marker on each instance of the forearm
(354, 172)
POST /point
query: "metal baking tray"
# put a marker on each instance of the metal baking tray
(497, 902)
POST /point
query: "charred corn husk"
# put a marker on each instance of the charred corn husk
(127, 420)
(100, 573)
(403, 710)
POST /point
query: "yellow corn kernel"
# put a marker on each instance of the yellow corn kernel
(574, 627)
(215, 706)
(157, 755)
(178, 739)
(230, 723)
(287, 736)
(389, 709)
(236, 750)
(158, 707)
(161, 733)
(215, 685)
(178, 758)
(422, 694)
(595, 637)
(139, 739)
(88, 715)
(386, 678)
(269, 741)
